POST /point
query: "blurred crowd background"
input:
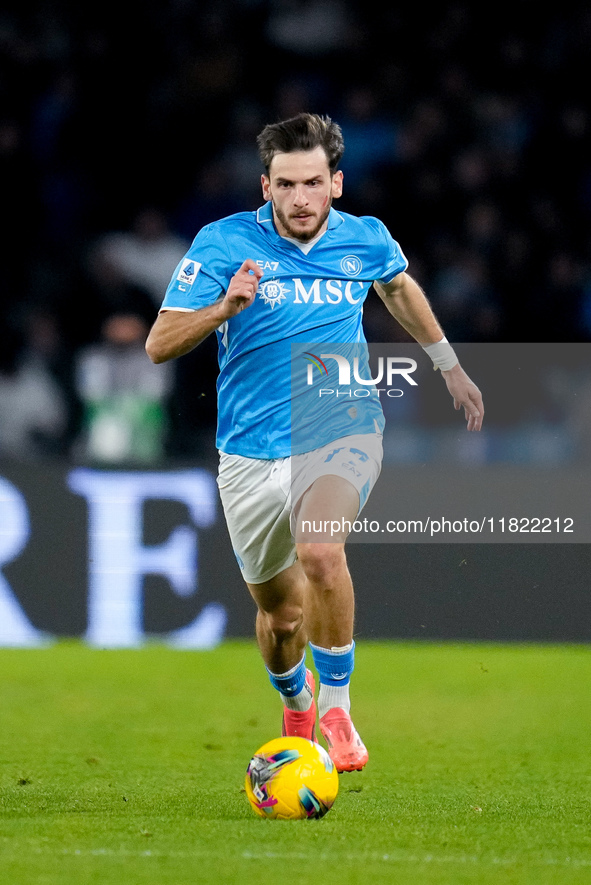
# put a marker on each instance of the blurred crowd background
(126, 127)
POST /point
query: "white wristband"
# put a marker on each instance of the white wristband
(442, 354)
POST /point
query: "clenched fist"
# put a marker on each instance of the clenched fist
(243, 287)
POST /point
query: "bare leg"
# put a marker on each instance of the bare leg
(314, 597)
(280, 630)
(329, 604)
(282, 641)
(329, 612)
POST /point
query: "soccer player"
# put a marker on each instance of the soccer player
(297, 271)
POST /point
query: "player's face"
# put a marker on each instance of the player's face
(301, 187)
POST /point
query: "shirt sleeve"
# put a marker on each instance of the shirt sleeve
(394, 261)
(202, 275)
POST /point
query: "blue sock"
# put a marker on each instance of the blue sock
(334, 668)
(292, 686)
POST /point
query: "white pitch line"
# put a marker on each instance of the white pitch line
(397, 858)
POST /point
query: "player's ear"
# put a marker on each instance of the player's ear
(266, 185)
(337, 184)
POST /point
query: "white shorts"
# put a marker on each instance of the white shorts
(259, 497)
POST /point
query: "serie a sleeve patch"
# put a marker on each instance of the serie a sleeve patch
(188, 271)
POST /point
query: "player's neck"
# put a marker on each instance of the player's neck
(304, 245)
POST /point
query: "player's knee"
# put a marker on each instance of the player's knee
(283, 622)
(322, 563)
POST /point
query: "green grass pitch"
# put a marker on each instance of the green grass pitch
(127, 767)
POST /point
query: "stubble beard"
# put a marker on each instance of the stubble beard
(302, 236)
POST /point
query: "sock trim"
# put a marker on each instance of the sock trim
(334, 667)
(292, 681)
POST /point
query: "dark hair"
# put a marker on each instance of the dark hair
(302, 133)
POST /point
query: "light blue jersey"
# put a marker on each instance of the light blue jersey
(307, 297)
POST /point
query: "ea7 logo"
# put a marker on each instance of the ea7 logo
(268, 265)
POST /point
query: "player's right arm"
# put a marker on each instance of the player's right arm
(176, 332)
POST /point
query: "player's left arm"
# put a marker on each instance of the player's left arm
(409, 305)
